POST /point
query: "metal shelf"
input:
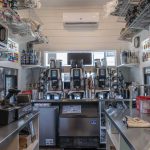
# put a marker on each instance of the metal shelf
(123, 8)
(128, 34)
(9, 64)
(141, 22)
(22, 26)
(127, 65)
(31, 66)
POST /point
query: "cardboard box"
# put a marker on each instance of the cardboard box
(24, 141)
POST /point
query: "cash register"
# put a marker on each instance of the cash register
(11, 111)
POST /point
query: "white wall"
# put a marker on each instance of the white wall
(137, 72)
(105, 37)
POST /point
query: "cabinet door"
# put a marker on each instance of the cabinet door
(48, 126)
(123, 144)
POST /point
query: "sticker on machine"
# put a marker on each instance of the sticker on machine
(49, 142)
(93, 122)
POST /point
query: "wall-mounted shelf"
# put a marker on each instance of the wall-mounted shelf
(128, 33)
(9, 64)
(31, 66)
(128, 65)
(14, 65)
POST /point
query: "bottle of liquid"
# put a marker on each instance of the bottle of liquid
(31, 57)
(23, 59)
(27, 58)
(35, 58)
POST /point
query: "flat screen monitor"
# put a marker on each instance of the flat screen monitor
(77, 57)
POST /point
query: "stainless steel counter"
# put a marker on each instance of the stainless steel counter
(136, 138)
(82, 100)
(66, 101)
(7, 132)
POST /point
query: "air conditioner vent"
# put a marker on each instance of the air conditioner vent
(80, 19)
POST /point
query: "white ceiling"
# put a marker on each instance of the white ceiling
(61, 39)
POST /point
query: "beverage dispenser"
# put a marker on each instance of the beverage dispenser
(54, 80)
(100, 78)
(76, 80)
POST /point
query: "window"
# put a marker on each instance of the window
(98, 55)
(58, 56)
(110, 57)
(63, 57)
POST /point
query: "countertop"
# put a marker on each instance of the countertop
(78, 101)
(8, 131)
(66, 101)
(137, 138)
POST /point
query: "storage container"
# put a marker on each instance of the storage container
(143, 104)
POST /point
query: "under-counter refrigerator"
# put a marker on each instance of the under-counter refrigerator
(48, 124)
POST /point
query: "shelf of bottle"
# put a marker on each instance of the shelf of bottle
(128, 65)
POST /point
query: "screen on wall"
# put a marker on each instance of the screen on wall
(87, 58)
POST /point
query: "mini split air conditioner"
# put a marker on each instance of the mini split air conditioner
(81, 19)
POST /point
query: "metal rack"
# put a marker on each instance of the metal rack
(26, 4)
(121, 10)
(128, 33)
(141, 22)
(22, 27)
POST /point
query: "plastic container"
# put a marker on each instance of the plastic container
(143, 104)
(138, 98)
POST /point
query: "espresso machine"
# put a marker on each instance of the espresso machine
(76, 80)
(100, 79)
(54, 80)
